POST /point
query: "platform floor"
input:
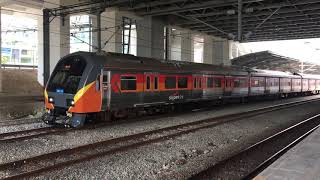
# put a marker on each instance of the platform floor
(302, 162)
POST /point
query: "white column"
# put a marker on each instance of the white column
(175, 44)
(217, 51)
(187, 48)
(207, 50)
(111, 33)
(227, 52)
(157, 39)
(40, 50)
(144, 36)
(0, 52)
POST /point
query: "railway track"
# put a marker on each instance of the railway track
(56, 160)
(248, 163)
(19, 121)
(29, 134)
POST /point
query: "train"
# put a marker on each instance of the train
(106, 85)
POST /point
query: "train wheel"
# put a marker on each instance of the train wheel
(120, 114)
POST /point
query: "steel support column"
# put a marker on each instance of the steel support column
(167, 44)
(0, 42)
(46, 46)
(239, 20)
(99, 31)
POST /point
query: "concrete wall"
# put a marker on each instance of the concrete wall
(20, 82)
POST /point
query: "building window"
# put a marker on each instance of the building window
(182, 82)
(128, 83)
(148, 82)
(170, 82)
(198, 43)
(81, 33)
(129, 36)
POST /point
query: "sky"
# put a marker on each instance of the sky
(307, 50)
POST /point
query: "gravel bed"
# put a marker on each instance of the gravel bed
(154, 161)
(20, 150)
(184, 156)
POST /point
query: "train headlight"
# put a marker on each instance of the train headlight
(70, 102)
(51, 100)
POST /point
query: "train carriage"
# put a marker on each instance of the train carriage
(84, 84)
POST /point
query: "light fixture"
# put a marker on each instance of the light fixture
(51, 100)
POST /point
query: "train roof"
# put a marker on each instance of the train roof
(310, 76)
(262, 72)
(129, 62)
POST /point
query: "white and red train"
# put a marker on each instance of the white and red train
(84, 84)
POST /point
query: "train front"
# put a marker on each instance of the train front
(73, 91)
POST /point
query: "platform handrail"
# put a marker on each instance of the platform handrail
(18, 66)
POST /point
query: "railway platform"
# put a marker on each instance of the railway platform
(300, 162)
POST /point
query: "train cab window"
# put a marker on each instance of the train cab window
(217, 83)
(156, 82)
(128, 83)
(67, 75)
(148, 86)
(210, 82)
(182, 82)
(170, 82)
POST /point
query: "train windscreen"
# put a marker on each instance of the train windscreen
(67, 75)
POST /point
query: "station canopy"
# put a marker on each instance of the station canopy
(258, 20)
(271, 61)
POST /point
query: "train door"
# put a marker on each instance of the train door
(106, 90)
(151, 88)
(197, 90)
(228, 86)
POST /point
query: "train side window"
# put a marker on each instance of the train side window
(194, 83)
(148, 82)
(217, 82)
(156, 82)
(182, 82)
(105, 78)
(236, 83)
(170, 82)
(128, 83)
(210, 82)
(200, 82)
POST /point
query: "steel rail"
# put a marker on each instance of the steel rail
(240, 156)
